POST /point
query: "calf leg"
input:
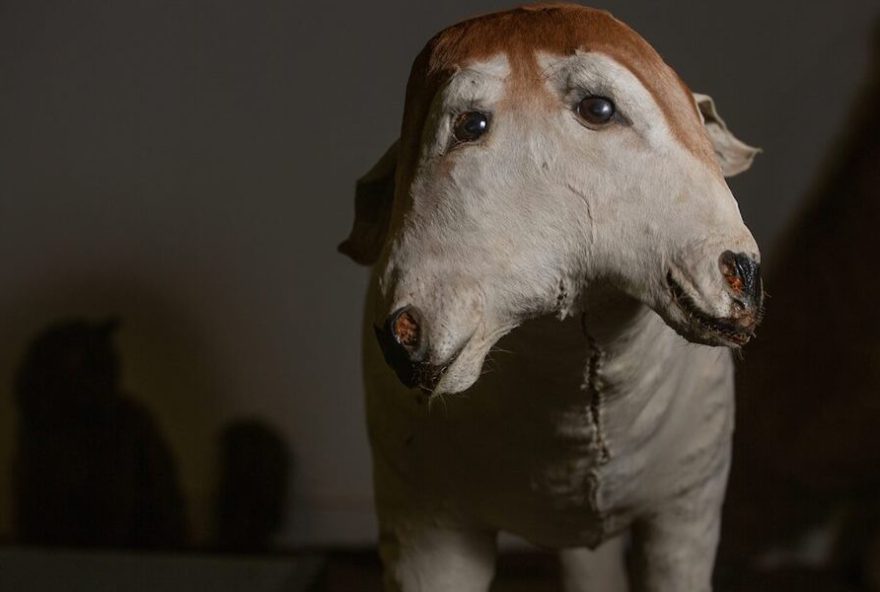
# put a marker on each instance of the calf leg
(434, 559)
(600, 570)
(674, 548)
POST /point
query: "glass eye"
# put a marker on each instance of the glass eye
(469, 126)
(596, 110)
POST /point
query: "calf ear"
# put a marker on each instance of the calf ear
(734, 156)
(373, 195)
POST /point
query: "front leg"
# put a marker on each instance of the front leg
(674, 547)
(600, 570)
(428, 558)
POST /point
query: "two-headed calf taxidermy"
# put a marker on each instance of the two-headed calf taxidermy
(558, 191)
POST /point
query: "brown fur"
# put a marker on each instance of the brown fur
(561, 29)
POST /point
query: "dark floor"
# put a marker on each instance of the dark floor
(34, 569)
(351, 571)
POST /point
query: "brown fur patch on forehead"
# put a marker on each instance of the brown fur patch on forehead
(561, 29)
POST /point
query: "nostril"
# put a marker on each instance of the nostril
(405, 326)
(746, 267)
(729, 269)
(404, 344)
(741, 273)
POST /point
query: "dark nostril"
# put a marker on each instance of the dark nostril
(746, 267)
(406, 328)
(403, 344)
(742, 273)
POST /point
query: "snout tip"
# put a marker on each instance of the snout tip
(404, 344)
(742, 273)
(734, 329)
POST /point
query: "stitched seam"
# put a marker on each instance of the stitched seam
(595, 392)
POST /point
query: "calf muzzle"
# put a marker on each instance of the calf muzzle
(404, 345)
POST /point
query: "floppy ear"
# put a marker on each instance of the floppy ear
(734, 156)
(373, 195)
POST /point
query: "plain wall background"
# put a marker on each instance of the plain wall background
(190, 165)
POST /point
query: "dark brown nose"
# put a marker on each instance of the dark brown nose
(403, 344)
(743, 276)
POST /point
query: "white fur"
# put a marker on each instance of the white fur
(594, 417)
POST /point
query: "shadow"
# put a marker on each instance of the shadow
(169, 363)
(805, 484)
(252, 488)
(92, 468)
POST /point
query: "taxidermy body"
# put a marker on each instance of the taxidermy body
(559, 271)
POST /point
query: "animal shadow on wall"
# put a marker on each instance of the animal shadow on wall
(252, 490)
(807, 444)
(92, 468)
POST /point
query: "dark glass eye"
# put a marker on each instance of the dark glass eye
(470, 125)
(596, 110)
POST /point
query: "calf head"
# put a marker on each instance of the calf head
(543, 150)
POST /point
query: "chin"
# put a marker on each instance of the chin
(461, 374)
(698, 326)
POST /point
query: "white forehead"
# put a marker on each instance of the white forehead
(478, 82)
(589, 70)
